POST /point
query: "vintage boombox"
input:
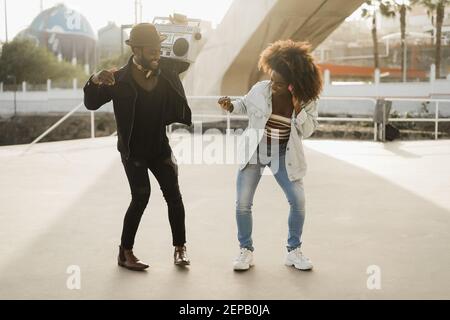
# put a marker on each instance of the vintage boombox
(183, 37)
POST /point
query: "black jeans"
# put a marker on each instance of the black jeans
(165, 171)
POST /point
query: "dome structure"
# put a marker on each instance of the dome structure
(61, 19)
(66, 33)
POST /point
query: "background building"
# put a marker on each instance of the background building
(66, 33)
(348, 52)
(109, 41)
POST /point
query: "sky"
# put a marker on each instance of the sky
(99, 12)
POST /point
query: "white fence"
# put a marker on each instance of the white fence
(228, 117)
(63, 100)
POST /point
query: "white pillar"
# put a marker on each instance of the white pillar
(405, 63)
(377, 76)
(49, 85)
(24, 86)
(75, 83)
(327, 77)
(432, 72)
(1, 86)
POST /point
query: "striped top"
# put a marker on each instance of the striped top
(278, 127)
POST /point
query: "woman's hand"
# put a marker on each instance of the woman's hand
(225, 104)
(297, 105)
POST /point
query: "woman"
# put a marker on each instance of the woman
(281, 112)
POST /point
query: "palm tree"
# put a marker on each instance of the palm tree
(401, 7)
(436, 7)
(370, 10)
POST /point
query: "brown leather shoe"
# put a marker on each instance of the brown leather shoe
(128, 260)
(180, 257)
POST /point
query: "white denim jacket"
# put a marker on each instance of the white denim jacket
(257, 104)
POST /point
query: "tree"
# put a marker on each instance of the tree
(26, 61)
(370, 10)
(436, 7)
(401, 7)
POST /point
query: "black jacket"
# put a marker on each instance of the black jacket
(123, 94)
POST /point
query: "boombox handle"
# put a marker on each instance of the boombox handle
(167, 20)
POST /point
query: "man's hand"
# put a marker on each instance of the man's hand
(105, 77)
(225, 104)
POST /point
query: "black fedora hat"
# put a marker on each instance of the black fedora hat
(145, 34)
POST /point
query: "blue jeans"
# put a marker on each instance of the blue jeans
(247, 181)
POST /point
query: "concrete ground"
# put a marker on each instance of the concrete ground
(370, 206)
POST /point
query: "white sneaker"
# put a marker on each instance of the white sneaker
(244, 261)
(297, 259)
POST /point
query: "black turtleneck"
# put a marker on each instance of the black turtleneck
(148, 138)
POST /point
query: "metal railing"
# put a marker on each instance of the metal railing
(436, 118)
(58, 123)
(228, 117)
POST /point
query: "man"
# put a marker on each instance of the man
(147, 95)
